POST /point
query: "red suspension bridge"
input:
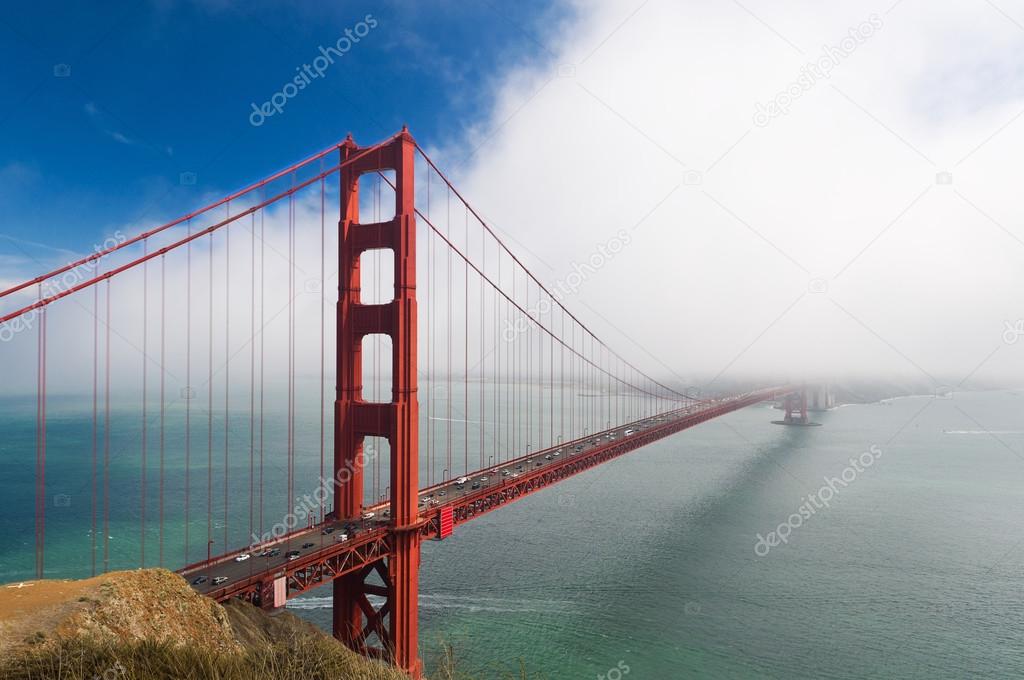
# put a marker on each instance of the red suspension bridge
(184, 371)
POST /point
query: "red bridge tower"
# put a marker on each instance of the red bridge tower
(355, 619)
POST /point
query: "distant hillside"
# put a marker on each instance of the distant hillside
(150, 625)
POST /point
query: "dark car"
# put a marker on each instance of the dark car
(327, 530)
(476, 485)
(199, 580)
(274, 553)
(307, 545)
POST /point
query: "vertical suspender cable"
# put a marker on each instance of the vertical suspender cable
(263, 291)
(227, 363)
(106, 442)
(497, 366)
(514, 379)
(163, 359)
(465, 357)
(41, 441)
(483, 359)
(145, 443)
(540, 376)
(95, 410)
(561, 375)
(451, 309)
(291, 347)
(252, 369)
(429, 346)
(323, 321)
(209, 406)
(529, 372)
(188, 393)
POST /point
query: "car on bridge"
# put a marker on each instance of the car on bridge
(243, 557)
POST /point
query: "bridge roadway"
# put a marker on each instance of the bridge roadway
(322, 555)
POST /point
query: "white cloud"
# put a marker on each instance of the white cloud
(921, 276)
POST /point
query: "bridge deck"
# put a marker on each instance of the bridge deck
(323, 557)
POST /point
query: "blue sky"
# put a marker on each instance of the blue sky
(156, 89)
(889, 184)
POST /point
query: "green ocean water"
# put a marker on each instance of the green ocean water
(646, 567)
(916, 570)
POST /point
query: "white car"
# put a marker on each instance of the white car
(629, 432)
(341, 538)
(368, 515)
(243, 557)
(461, 480)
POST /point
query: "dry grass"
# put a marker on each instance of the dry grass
(301, 659)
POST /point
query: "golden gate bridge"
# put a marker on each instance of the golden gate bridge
(198, 338)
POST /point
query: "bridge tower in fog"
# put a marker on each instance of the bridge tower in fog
(795, 405)
(796, 408)
(355, 618)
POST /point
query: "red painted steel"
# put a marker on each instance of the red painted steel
(471, 506)
(99, 254)
(796, 408)
(355, 619)
(447, 523)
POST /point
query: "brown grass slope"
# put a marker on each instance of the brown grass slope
(150, 625)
